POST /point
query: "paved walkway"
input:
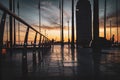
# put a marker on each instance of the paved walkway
(62, 63)
(59, 62)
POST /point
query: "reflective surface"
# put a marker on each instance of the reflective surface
(62, 62)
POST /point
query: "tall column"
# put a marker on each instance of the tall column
(14, 23)
(62, 27)
(2, 27)
(18, 7)
(60, 21)
(117, 20)
(10, 23)
(72, 43)
(96, 19)
(39, 16)
(83, 23)
(105, 20)
(110, 30)
(68, 33)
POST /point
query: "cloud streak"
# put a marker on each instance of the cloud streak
(51, 13)
(112, 17)
(51, 27)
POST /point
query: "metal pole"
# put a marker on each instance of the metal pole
(14, 23)
(7, 30)
(18, 6)
(39, 16)
(110, 30)
(105, 20)
(96, 20)
(24, 55)
(72, 43)
(2, 27)
(60, 20)
(117, 19)
(68, 33)
(10, 23)
(62, 26)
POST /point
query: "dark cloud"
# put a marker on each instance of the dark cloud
(50, 27)
(112, 17)
(51, 13)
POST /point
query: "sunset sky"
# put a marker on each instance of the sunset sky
(50, 22)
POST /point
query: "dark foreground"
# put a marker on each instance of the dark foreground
(62, 63)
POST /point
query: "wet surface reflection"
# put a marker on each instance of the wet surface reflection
(61, 61)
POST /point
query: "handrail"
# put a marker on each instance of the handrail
(3, 8)
(44, 42)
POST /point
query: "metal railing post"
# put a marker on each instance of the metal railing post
(2, 27)
(24, 55)
(34, 51)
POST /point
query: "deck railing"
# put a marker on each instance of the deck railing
(43, 40)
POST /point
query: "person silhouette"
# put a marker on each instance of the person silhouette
(112, 39)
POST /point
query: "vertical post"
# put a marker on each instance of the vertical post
(18, 7)
(24, 55)
(72, 43)
(10, 23)
(43, 39)
(2, 27)
(40, 40)
(96, 19)
(39, 15)
(39, 52)
(117, 20)
(43, 42)
(68, 33)
(60, 21)
(35, 39)
(7, 30)
(105, 20)
(62, 41)
(110, 30)
(34, 51)
(14, 23)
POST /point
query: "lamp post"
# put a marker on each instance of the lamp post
(110, 30)
(105, 20)
(39, 15)
(72, 43)
(96, 20)
(117, 20)
(62, 39)
(68, 33)
(18, 7)
(10, 23)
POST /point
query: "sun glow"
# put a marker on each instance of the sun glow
(113, 32)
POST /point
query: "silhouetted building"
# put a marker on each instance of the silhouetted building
(83, 23)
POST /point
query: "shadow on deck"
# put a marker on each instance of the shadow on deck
(61, 63)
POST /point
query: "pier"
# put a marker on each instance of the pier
(30, 52)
